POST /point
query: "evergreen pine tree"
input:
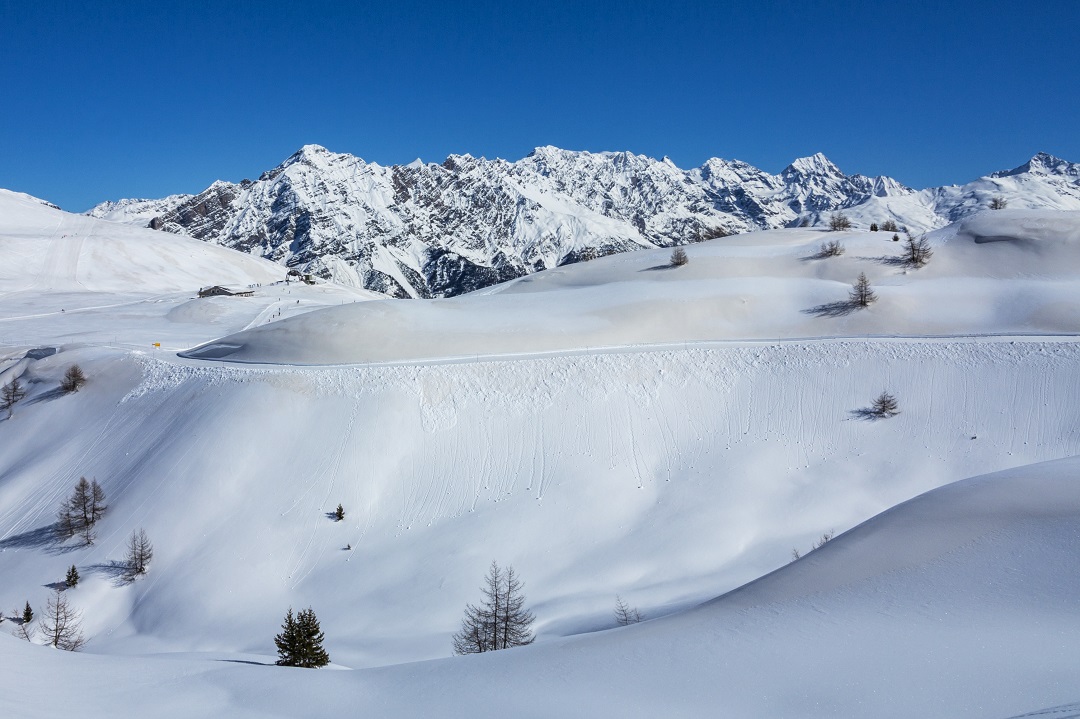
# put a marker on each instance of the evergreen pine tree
(27, 614)
(72, 576)
(300, 642)
(339, 513)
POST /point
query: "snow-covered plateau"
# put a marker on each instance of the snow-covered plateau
(619, 426)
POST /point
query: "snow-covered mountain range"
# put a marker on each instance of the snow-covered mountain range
(436, 230)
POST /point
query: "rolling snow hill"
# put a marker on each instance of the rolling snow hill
(671, 468)
(435, 230)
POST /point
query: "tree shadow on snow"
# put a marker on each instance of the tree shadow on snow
(833, 309)
(119, 573)
(45, 538)
(888, 260)
(52, 394)
(56, 586)
(865, 414)
(656, 268)
(248, 661)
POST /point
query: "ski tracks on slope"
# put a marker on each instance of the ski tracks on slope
(300, 566)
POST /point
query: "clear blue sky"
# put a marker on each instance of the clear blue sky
(101, 100)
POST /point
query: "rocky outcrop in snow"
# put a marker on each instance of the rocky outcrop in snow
(433, 230)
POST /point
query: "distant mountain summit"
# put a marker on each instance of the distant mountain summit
(438, 230)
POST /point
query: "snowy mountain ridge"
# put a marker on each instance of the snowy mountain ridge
(435, 230)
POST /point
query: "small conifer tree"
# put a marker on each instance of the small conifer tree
(678, 257)
(873, 227)
(339, 513)
(73, 379)
(624, 613)
(27, 614)
(72, 578)
(861, 294)
(917, 250)
(885, 406)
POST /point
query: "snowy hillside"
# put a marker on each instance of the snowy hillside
(611, 427)
(433, 230)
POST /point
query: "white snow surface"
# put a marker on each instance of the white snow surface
(722, 426)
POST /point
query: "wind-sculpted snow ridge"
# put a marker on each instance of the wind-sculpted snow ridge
(438, 230)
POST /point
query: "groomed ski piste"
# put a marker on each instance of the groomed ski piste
(614, 427)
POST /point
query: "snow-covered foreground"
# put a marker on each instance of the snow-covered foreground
(669, 475)
(959, 603)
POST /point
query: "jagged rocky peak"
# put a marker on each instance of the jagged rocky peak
(816, 164)
(1043, 163)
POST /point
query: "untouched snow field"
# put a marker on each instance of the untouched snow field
(668, 473)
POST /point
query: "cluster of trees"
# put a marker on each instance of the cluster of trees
(60, 625)
(10, 394)
(839, 222)
(300, 642)
(81, 511)
(917, 253)
(832, 248)
(501, 620)
(818, 544)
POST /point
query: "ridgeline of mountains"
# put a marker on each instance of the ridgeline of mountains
(438, 230)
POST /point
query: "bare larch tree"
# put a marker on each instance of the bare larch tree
(60, 624)
(140, 552)
(624, 613)
(861, 294)
(501, 621)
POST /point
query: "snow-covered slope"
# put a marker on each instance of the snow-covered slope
(431, 230)
(667, 474)
(959, 603)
